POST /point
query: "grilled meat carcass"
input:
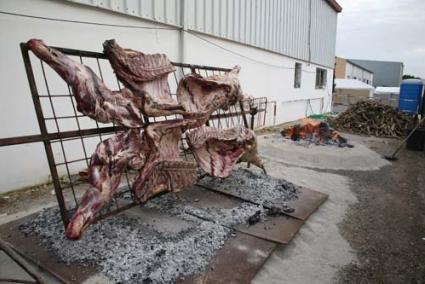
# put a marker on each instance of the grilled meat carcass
(218, 150)
(107, 164)
(93, 97)
(146, 76)
(153, 150)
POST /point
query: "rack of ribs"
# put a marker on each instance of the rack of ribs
(146, 76)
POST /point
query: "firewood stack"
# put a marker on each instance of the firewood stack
(372, 118)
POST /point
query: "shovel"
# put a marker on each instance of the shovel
(393, 156)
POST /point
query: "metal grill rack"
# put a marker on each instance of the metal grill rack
(70, 138)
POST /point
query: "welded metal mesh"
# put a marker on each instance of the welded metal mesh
(70, 137)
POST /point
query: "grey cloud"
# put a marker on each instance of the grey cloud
(383, 30)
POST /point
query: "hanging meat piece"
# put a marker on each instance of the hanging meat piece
(145, 75)
(93, 97)
(218, 150)
(107, 164)
(205, 95)
(164, 169)
(154, 151)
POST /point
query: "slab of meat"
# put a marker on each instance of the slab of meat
(164, 170)
(107, 164)
(205, 95)
(145, 75)
(218, 150)
(93, 97)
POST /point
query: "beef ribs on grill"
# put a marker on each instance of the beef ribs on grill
(93, 97)
(146, 76)
(164, 158)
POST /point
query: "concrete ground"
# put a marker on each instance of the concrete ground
(371, 229)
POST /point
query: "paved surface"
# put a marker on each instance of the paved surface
(371, 230)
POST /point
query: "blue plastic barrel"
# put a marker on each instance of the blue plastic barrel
(410, 96)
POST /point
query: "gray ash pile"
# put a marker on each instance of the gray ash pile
(226, 217)
(258, 188)
(372, 118)
(126, 250)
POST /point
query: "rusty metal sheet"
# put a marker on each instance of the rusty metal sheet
(280, 229)
(30, 248)
(308, 201)
(238, 261)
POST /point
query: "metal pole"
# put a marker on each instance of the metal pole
(44, 132)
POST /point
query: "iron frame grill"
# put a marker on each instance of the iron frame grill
(250, 113)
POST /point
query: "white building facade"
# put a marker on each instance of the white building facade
(347, 69)
(286, 49)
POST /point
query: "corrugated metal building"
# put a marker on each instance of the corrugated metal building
(386, 73)
(286, 49)
(347, 69)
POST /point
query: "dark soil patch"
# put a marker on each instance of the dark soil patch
(387, 226)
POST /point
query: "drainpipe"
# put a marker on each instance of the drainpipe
(182, 31)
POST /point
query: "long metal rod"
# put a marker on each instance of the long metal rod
(57, 135)
(44, 132)
(18, 259)
(100, 55)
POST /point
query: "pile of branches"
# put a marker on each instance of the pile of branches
(372, 118)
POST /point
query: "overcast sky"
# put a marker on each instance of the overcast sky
(392, 30)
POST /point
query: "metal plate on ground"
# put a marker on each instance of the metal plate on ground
(30, 248)
(280, 229)
(308, 201)
(238, 261)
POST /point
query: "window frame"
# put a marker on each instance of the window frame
(321, 78)
(297, 75)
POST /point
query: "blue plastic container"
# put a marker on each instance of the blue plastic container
(411, 91)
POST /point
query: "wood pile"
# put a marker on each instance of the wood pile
(372, 118)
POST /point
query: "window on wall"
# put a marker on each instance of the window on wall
(297, 77)
(321, 78)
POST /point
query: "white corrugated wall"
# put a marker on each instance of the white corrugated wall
(281, 26)
(263, 73)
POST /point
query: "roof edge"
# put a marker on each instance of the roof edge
(334, 5)
(358, 65)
